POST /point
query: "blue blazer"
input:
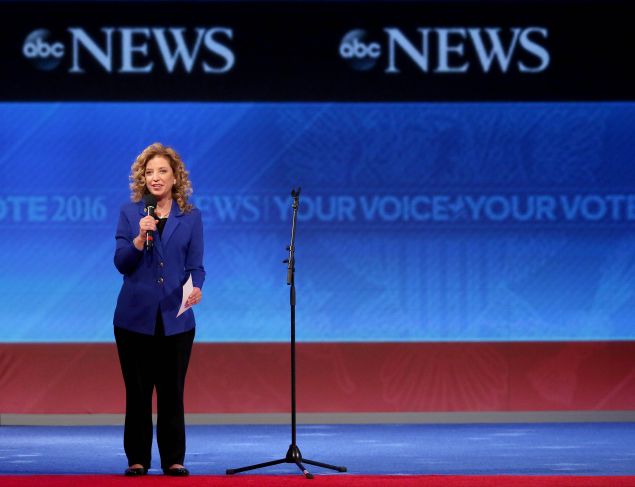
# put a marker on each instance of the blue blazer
(153, 280)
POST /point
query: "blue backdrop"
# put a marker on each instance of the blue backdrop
(418, 221)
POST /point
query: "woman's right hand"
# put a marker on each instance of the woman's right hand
(146, 224)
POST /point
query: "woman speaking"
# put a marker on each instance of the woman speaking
(159, 246)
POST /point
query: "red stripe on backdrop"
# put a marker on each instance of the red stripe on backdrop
(330, 480)
(336, 377)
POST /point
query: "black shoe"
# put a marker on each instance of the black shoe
(176, 472)
(135, 472)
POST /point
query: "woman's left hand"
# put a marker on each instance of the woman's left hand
(195, 297)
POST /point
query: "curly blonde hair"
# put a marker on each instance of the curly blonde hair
(181, 190)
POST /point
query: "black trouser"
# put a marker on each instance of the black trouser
(154, 361)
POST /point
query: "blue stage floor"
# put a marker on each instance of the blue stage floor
(472, 449)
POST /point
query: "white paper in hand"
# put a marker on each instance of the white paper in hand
(188, 287)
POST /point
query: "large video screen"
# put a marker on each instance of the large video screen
(417, 221)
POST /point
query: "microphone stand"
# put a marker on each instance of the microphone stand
(293, 453)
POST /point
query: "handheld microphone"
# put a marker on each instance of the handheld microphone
(151, 203)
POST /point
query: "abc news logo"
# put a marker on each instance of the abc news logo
(450, 49)
(134, 49)
(43, 54)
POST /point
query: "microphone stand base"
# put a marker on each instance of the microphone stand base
(293, 456)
